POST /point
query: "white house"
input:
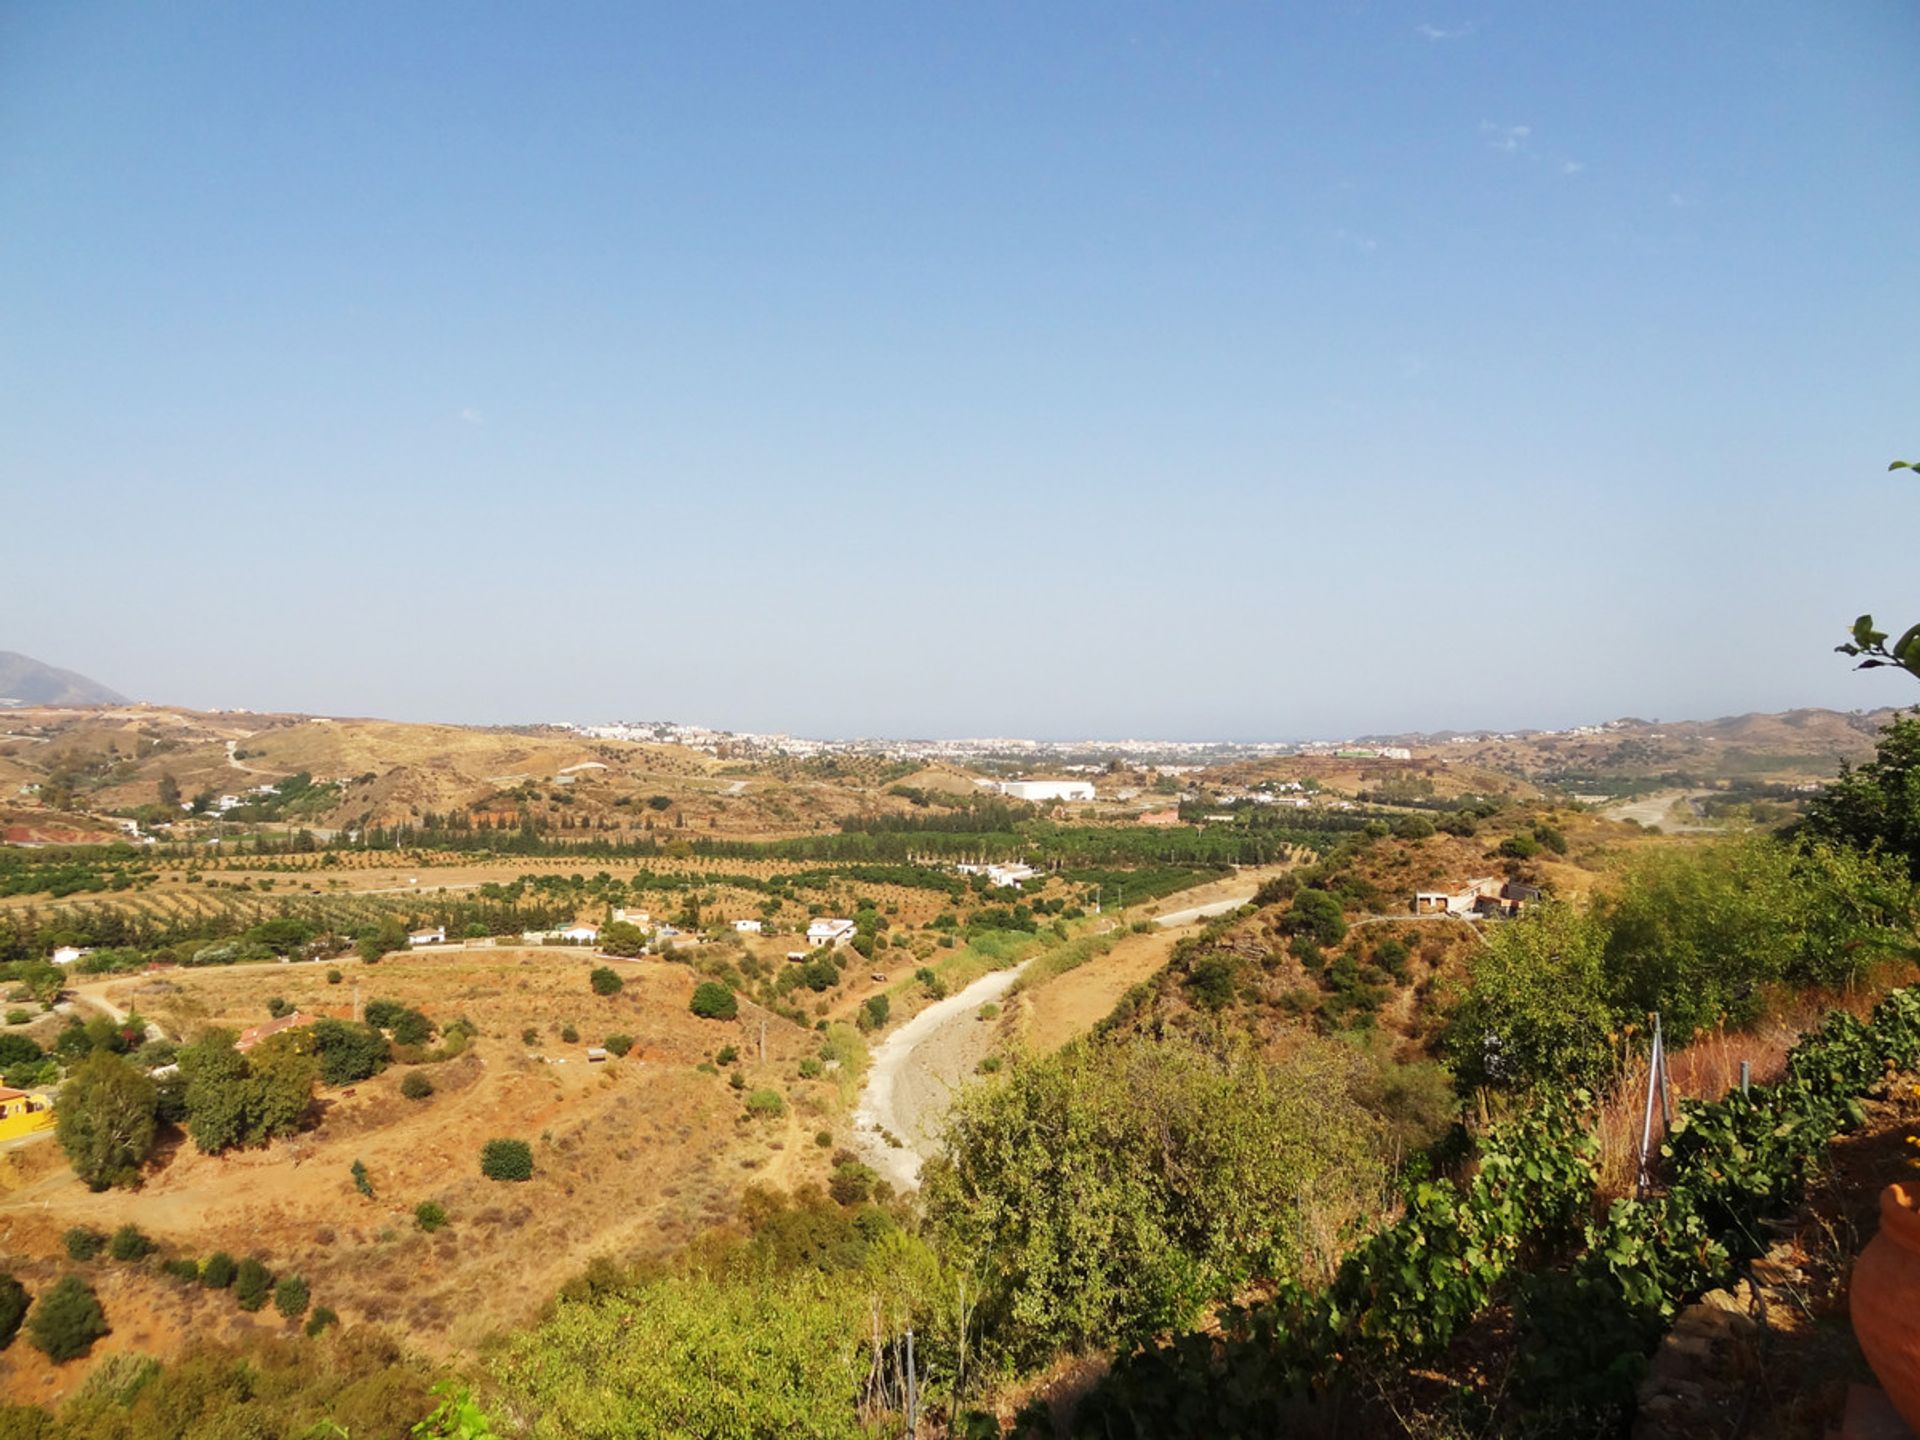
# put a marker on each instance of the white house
(1464, 901)
(632, 917)
(829, 931)
(67, 954)
(748, 927)
(435, 936)
(584, 934)
(1007, 875)
(1047, 789)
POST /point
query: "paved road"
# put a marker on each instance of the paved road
(1203, 912)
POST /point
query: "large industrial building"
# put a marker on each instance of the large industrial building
(1047, 789)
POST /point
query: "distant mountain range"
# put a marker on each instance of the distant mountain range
(26, 681)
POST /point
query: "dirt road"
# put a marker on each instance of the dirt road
(1668, 809)
(913, 1074)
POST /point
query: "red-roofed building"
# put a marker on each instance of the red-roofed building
(253, 1035)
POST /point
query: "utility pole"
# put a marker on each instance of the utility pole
(913, 1391)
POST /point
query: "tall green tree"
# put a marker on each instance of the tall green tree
(217, 1098)
(106, 1120)
(234, 1099)
(1876, 806)
(1539, 1002)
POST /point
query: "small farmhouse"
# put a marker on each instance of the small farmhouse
(67, 954)
(748, 927)
(581, 934)
(436, 936)
(829, 931)
(1484, 896)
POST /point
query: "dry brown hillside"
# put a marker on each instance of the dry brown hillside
(1795, 746)
(105, 761)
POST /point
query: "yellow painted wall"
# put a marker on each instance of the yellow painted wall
(17, 1120)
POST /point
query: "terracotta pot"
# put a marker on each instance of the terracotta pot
(1886, 1302)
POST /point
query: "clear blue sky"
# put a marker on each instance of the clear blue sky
(1099, 369)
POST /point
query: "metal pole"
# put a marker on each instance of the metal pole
(1646, 1124)
(1666, 1098)
(913, 1392)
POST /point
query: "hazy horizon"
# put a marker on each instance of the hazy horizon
(1198, 370)
(1060, 738)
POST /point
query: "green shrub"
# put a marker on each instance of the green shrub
(507, 1160)
(569, 1035)
(811, 1069)
(429, 1216)
(714, 1001)
(321, 1318)
(66, 1320)
(361, 1182)
(824, 1139)
(874, 1011)
(333, 977)
(18, 1017)
(530, 1036)
(348, 1053)
(415, 1086)
(1210, 980)
(129, 1243)
(290, 1297)
(252, 1282)
(1519, 847)
(1318, 914)
(84, 1242)
(13, 1308)
(182, 1267)
(694, 1355)
(726, 1055)
(217, 1270)
(618, 1045)
(766, 1105)
(1156, 1171)
(605, 980)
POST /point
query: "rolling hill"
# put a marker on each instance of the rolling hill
(27, 681)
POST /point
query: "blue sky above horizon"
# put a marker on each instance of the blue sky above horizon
(1185, 370)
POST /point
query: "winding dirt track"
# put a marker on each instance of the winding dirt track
(915, 1072)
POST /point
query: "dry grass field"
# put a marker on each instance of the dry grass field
(633, 1156)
